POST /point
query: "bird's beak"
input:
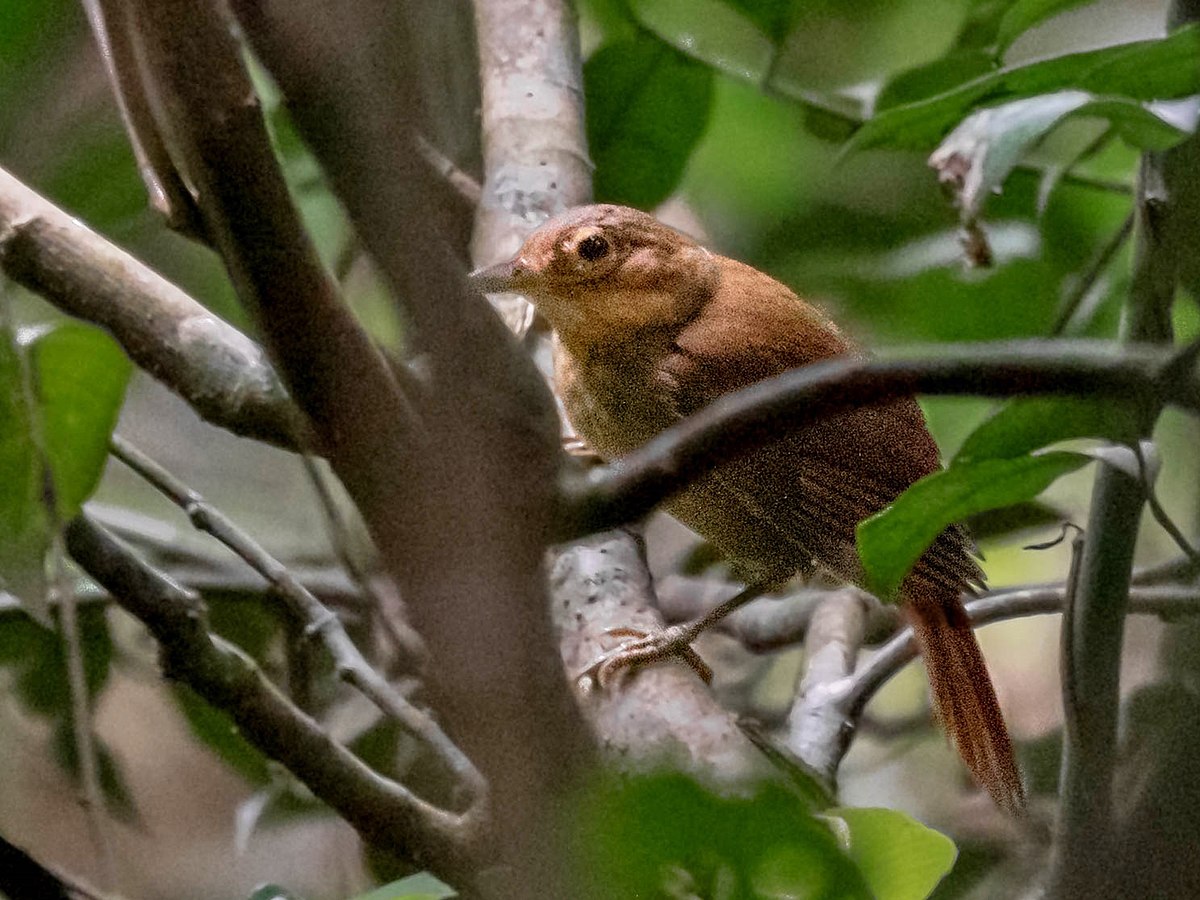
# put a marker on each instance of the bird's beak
(498, 279)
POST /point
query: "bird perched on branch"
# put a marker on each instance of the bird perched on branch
(650, 327)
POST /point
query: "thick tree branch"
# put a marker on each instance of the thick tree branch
(536, 165)
(741, 422)
(219, 371)
(169, 195)
(534, 152)
(467, 550)
(814, 725)
(1167, 182)
(384, 812)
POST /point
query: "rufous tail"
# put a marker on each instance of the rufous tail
(963, 697)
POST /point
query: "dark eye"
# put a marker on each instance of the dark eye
(592, 248)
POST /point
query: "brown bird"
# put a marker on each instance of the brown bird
(651, 327)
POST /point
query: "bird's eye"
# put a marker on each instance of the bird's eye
(592, 248)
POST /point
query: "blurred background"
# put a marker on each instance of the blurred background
(869, 237)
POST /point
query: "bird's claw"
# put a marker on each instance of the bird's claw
(644, 648)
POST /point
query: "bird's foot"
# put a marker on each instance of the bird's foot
(644, 648)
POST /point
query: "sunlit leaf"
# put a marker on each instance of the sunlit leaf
(891, 541)
(899, 857)
(1025, 14)
(79, 376)
(1143, 70)
(978, 155)
(1030, 423)
(773, 17)
(712, 31)
(647, 107)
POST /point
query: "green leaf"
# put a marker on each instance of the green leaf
(42, 684)
(715, 32)
(980, 153)
(891, 541)
(637, 834)
(899, 857)
(217, 731)
(1024, 14)
(1143, 70)
(80, 376)
(1030, 423)
(723, 38)
(67, 404)
(773, 17)
(933, 78)
(421, 886)
(647, 107)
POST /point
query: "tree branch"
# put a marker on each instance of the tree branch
(384, 813)
(169, 195)
(814, 725)
(467, 550)
(318, 620)
(845, 701)
(1092, 643)
(739, 423)
(219, 371)
(536, 165)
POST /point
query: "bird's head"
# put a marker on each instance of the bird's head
(601, 274)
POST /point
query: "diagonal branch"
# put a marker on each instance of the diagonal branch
(385, 813)
(734, 424)
(219, 371)
(318, 620)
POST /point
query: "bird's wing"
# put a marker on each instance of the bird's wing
(819, 481)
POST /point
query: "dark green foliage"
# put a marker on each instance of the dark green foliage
(647, 106)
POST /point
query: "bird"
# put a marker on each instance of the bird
(649, 327)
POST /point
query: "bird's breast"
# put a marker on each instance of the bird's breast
(612, 400)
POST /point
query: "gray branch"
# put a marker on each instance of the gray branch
(219, 371)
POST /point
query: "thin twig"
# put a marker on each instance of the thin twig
(168, 192)
(1168, 602)
(769, 623)
(468, 188)
(1087, 279)
(384, 812)
(92, 798)
(1161, 516)
(351, 666)
(387, 610)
